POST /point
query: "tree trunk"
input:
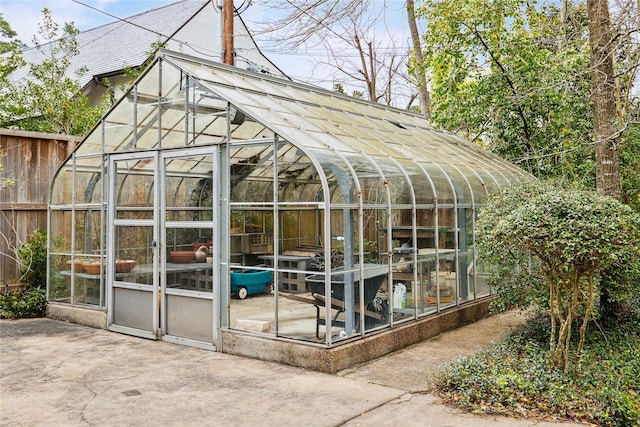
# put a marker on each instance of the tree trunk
(603, 102)
(605, 132)
(423, 90)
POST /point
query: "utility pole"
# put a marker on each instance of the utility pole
(227, 32)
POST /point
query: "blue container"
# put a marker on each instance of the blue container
(249, 282)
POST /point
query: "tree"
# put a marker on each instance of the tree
(417, 69)
(10, 50)
(500, 79)
(603, 102)
(49, 99)
(6, 32)
(605, 127)
(366, 59)
(571, 236)
(515, 77)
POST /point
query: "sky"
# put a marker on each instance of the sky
(304, 64)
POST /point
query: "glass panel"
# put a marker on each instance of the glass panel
(342, 237)
(61, 190)
(88, 231)
(346, 288)
(462, 191)
(251, 174)
(372, 183)
(341, 185)
(133, 254)
(189, 262)
(252, 307)
(372, 229)
(444, 192)
(187, 238)
(119, 127)
(147, 124)
(299, 226)
(173, 125)
(482, 279)
(88, 180)
(134, 189)
(86, 290)
(189, 185)
(92, 144)
(445, 281)
(422, 186)
(465, 256)
(248, 129)
(302, 255)
(297, 177)
(403, 262)
(147, 87)
(251, 235)
(489, 186)
(59, 279)
(422, 294)
(60, 231)
(207, 128)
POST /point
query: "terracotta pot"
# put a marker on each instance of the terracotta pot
(182, 257)
(125, 265)
(79, 266)
(92, 267)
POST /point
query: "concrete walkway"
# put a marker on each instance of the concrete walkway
(59, 374)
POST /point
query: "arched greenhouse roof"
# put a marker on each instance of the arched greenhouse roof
(182, 101)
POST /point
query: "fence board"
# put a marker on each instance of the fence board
(31, 159)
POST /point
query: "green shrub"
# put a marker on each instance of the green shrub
(31, 302)
(33, 260)
(516, 377)
(549, 246)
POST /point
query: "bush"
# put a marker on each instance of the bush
(549, 246)
(31, 302)
(33, 260)
(516, 377)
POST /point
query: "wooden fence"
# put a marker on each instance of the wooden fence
(29, 161)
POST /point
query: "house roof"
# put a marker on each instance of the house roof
(190, 26)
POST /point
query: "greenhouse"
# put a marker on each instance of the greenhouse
(213, 205)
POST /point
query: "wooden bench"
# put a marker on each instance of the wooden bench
(319, 301)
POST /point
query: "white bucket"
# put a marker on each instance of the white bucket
(400, 296)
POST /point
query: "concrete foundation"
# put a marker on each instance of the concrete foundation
(92, 317)
(308, 355)
(332, 360)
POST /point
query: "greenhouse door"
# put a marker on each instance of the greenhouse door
(189, 238)
(132, 234)
(160, 211)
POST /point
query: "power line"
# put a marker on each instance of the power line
(119, 19)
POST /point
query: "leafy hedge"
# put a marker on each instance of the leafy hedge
(516, 377)
(30, 302)
(560, 249)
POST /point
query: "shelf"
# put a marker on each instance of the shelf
(403, 276)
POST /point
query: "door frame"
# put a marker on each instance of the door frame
(214, 295)
(112, 223)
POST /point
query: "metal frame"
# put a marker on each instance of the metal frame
(263, 115)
